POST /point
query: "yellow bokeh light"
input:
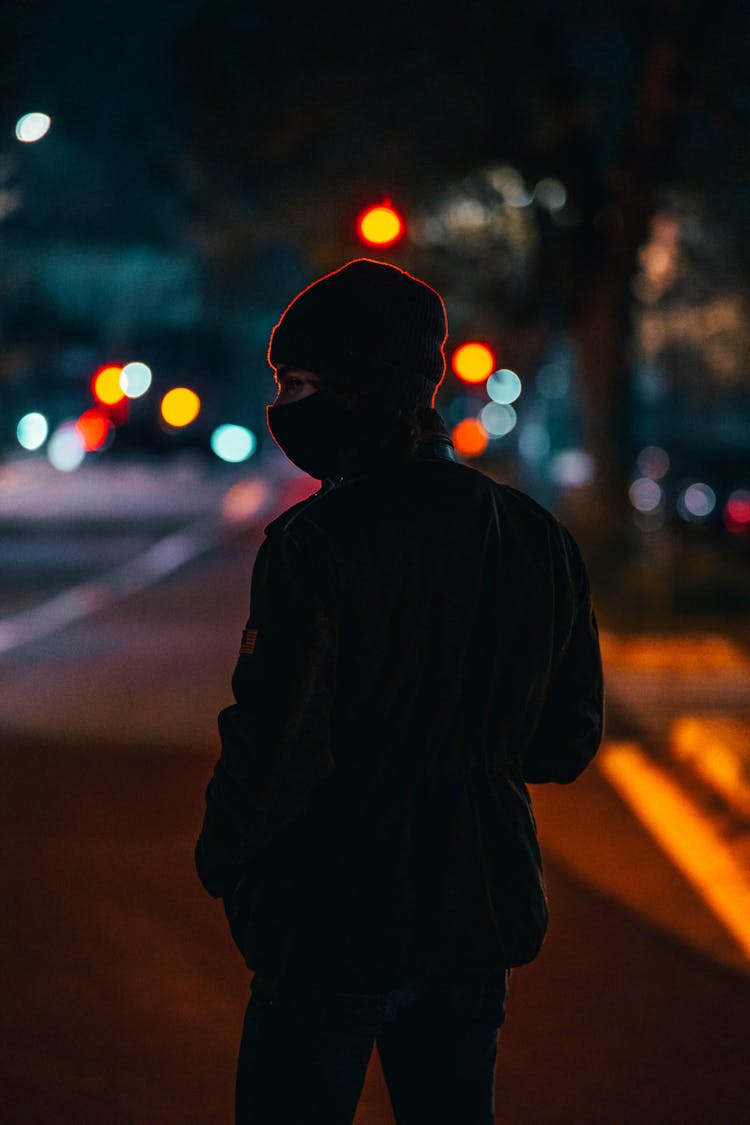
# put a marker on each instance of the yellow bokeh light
(380, 226)
(470, 438)
(106, 385)
(180, 406)
(473, 362)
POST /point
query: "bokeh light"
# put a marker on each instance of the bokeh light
(697, 501)
(244, 500)
(470, 437)
(473, 362)
(32, 430)
(65, 448)
(645, 494)
(653, 461)
(135, 379)
(233, 443)
(551, 193)
(380, 226)
(105, 385)
(32, 126)
(553, 381)
(737, 512)
(93, 429)
(534, 442)
(180, 407)
(572, 468)
(498, 419)
(504, 386)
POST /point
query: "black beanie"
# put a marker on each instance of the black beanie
(365, 321)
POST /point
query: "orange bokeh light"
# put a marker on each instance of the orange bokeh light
(106, 385)
(380, 226)
(470, 438)
(473, 362)
(180, 407)
(93, 429)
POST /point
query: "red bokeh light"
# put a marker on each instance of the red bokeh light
(93, 429)
(737, 512)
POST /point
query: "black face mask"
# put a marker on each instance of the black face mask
(312, 432)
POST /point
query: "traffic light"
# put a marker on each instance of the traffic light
(473, 362)
(380, 225)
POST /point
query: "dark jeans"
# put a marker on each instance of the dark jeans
(305, 1050)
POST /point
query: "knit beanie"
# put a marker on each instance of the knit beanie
(366, 322)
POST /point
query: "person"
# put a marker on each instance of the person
(420, 645)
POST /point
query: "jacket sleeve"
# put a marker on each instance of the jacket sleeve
(275, 738)
(570, 728)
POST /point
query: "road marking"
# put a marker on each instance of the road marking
(157, 561)
(684, 833)
(715, 747)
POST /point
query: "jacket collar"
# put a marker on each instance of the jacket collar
(436, 447)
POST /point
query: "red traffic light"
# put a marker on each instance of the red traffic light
(380, 225)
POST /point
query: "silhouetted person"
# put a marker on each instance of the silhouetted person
(420, 644)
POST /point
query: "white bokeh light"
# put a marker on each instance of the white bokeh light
(498, 419)
(65, 449)
(645, 494)
(697, 501)
(233, 443)
(504, 386)
(553, 381)
(572, 468)
(551, 193)
(653, 461)
(534, 442)
(32, 127)
(32, 430)
(135, 379)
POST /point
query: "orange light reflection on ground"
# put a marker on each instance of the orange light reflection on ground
(716, 748)
(684, 833)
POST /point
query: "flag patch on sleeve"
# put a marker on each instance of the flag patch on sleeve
(249, 637)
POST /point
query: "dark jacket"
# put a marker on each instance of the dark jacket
(420, 644)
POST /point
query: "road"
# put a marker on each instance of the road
(123, 995)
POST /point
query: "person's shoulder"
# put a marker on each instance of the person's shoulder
(523, 503)
(310, 518)
(282, 522)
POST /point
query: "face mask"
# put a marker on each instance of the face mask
(311, 431)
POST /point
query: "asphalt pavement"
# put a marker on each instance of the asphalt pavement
(123, 994)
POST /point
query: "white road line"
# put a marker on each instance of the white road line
(159, 560)
(684, 834)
